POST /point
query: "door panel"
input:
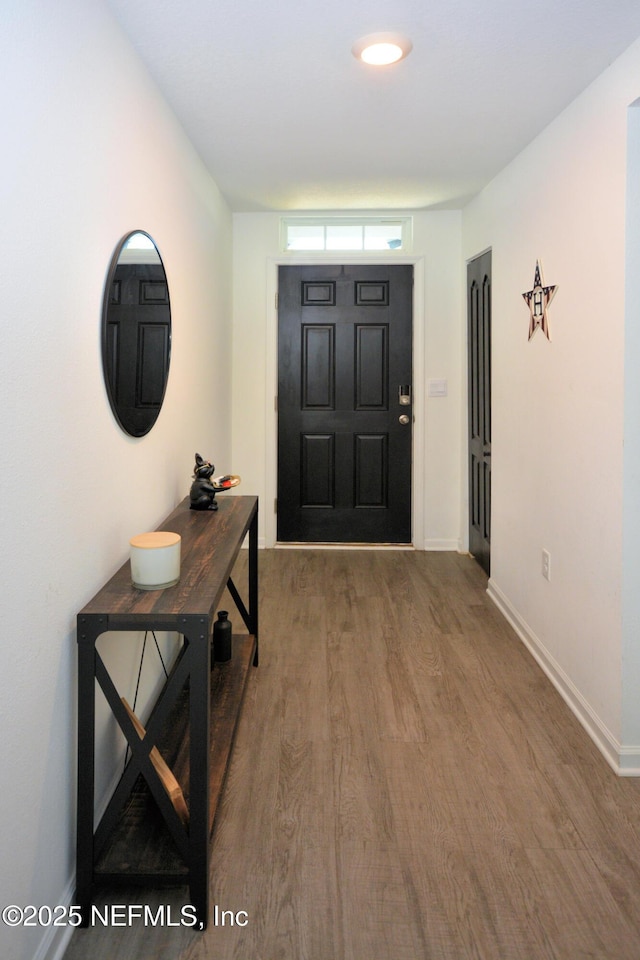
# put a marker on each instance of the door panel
(344, 457)
(371, 464)
(372, 362)
(318, 367)
(316, 471)
(479, 366)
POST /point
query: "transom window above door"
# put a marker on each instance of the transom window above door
(343, 234)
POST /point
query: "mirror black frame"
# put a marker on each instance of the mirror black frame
(136, 337)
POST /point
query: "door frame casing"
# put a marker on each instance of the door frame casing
(271, 383)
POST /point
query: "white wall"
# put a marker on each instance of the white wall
(631, 481)
(437, 351)
(558, 407)
(90, 151)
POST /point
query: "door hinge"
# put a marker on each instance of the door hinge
(275, 403)
(276, 300)
(275, 505)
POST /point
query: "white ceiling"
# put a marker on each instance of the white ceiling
(285, 118)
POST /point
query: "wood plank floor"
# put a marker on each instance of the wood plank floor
(405, 785)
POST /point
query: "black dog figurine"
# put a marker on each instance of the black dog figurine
(203, 493)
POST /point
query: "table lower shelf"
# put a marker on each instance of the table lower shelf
(140, 848)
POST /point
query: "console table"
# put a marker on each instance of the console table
(141, 836)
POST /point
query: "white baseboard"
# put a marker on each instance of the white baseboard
(55, 941)
(443, 545)
(624, 760)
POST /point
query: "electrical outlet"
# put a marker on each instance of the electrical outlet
(546, 565)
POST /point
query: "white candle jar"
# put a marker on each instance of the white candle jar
(155, 560)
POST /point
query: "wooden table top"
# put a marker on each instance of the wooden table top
(210, 544)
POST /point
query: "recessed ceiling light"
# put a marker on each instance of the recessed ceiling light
(381, 49)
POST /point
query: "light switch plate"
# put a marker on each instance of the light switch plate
(437, 388)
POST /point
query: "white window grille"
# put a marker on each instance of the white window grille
(346, 234)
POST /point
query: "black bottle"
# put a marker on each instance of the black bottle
(222, 638)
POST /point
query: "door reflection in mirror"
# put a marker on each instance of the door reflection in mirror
(136, 333)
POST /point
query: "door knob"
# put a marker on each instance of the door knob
(404, 419)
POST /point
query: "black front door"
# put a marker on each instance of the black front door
(344, 404)
(479, 353)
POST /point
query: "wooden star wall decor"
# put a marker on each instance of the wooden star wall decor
(538, 300)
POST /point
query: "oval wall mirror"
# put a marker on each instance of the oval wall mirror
(136, 333)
